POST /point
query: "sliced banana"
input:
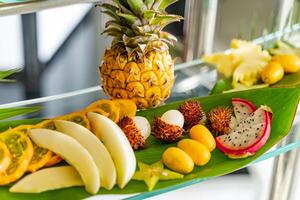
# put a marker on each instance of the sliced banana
(72, 152)
(98, 151)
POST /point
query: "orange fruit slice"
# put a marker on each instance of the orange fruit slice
(78, 118)
(55, 159)
(109, 107)
(5, 157)
(49, 124)
(40, 155)
(127, 107)
(21, 150)
(97, 110)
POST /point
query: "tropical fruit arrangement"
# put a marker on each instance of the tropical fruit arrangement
(251, 66)
(98, 144)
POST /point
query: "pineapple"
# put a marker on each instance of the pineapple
(138, 65)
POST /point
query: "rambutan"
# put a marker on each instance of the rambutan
(134, 136)
(165, 131)
(221, 120)
(193, 114)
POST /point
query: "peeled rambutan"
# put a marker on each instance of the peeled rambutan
(165, 131)
(221, 120)
(134, 136)
(193, 114)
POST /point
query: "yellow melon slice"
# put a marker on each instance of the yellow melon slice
(48, 179)
(101, 156)
(72, 152)
(117, 144)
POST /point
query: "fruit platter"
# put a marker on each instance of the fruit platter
(133, 142)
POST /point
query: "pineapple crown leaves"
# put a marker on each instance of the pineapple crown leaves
(137, 23)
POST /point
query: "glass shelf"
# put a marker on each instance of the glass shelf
(36, 5)
(193, 79)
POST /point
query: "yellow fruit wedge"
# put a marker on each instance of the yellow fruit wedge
(95, 147)
(48, 179)
(117, 144)
(5, 157)
(127, 107)
(21, 151)
(72, 152)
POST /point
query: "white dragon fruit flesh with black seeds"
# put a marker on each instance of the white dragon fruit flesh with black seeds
(242, 108)
(249, 135)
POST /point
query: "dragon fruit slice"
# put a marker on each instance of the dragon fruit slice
(248, 136)
(242, 108)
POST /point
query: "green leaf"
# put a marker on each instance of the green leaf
(111, 14)
(164, 20)
(6, 113)
(110, 7)
(130, 19)
(122, 3)
(7, 73)
(149, 3)
(222, 85)
(289, 80)
(137, 6)
(166, 3)
(4, 125)
(283, 102)
(149, 14)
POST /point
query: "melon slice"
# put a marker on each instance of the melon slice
(48, 179)
(95, 147)
(117, 144)
(72, 152)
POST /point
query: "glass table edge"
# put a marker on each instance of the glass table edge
(7, 9)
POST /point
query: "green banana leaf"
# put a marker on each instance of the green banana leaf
(6, 113)
(5, 74)
(289, 80)
(283, 101)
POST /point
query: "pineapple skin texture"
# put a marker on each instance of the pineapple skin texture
(146, 79)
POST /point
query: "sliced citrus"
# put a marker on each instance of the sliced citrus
(21, 150)
(108, 106)
(78, 118)
(127, 107)
(40, 155)
(5, 157)
(96, 110)
(49, 124)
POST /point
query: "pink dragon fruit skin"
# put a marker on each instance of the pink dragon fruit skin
(243, 130)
